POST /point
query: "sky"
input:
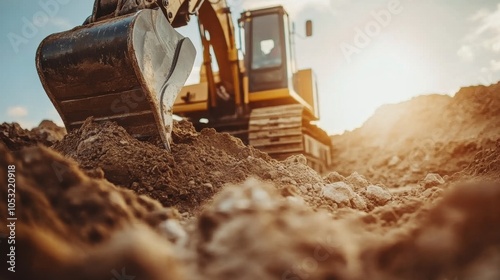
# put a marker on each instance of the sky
(365, 53)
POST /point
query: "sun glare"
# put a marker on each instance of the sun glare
(386, 73)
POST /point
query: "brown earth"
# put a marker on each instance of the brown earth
(15, 137)
(403, 142)
(198, 167)
(99, 204)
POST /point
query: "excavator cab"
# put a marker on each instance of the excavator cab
(268, 60)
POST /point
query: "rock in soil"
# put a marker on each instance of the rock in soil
(100, 204)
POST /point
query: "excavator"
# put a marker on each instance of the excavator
(127, 63)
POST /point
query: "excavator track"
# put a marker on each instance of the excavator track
(282, 131)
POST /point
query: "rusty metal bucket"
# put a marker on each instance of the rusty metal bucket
(127, 69)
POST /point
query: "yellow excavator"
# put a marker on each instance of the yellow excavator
(128, 64)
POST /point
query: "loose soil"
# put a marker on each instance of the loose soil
(99, 204)
(403, 142)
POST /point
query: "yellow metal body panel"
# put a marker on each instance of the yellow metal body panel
(246, 100)
(305, 86)
(188, 108)
(197, 93)
(268, 95)
(279, 94)
(305, 95)
(198, 96)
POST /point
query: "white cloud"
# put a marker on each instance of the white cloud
(479, 15)
(466, 53)
(495, 65)
(61, 23)
(17, 112)
(491, 73)
(495, 46)
(487, 32)
(490, 21)
(484, 42)
(293, 7)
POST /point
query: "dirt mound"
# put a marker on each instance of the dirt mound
(434, 133)
(486, 164)
(15, 137)
(200, 165)
(64, 218)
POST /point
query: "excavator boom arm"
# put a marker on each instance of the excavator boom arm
(177, 11)
(218, 34)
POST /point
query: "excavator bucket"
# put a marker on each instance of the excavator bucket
(127, 69)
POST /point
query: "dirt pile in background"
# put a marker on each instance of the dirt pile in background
(486, 165)
(15, 137)
(401, 143)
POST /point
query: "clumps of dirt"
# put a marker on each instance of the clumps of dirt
(198, 167)
(251, 232)
(285, 223)
(62, 216)
(15, 137)
(456, 238)
(403, 142)
(486, 165)
(46, 180)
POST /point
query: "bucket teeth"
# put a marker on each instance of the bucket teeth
(127, 69)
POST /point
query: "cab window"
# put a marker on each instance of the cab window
(266, 42)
